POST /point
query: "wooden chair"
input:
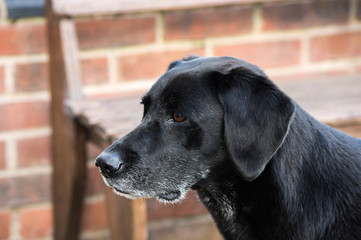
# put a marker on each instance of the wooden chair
(75, 120)
(71, 130)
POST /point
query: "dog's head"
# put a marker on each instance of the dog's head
(200, 113)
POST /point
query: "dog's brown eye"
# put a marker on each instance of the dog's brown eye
(178, 117)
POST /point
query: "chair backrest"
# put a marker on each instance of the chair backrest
(64, 69)
(64, 66)
(90, 7)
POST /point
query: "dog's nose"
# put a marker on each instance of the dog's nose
(110, 164)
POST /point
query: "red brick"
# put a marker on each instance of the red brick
(93, 150)
(189, 229)
(94, 71)
(94, 217)
(33, 151)
(194, 231)
(209, 22)
(94, 184)
(115, 32)
(335, 46)
(2, 80)
(22, 37)
(24, 115)
(150, 65)
(264, 54)
(5, 190)
(5, 224)
(24, 190)
(282, 16)
(190, 206)
(31, 77)
(2, 155)
(36, 223)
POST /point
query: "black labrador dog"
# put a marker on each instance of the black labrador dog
(263, 167)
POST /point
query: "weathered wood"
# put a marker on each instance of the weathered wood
(333, 100)
(353, 130)
(86, 7)
(67, 142)
(69, 134)
(71, 59)
(127, 217)
(108, 119)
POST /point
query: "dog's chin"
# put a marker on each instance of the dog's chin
(119, 192)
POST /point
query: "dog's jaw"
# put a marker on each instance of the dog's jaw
(167, 196)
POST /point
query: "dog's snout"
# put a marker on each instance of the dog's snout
(110, 164)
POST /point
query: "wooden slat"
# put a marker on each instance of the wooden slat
(70, 49)
(88, 7)
(333, 100)
(127, 217)
(108, 119)
(67, 141)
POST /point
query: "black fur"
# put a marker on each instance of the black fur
(263, 167)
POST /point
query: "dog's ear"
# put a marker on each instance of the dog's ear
(257, 116)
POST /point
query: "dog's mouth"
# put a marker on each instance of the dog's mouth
(170, 196)
(124, 193)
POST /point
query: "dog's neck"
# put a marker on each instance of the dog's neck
(242, 209)
(232, 211)
(220, 203)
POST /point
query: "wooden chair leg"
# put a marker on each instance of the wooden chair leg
(127, 218)
(69, 173)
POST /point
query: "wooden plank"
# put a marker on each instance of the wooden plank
(333, 100)
(67, 142)
(71, 59)
(107, 119)
(77, 174)
(354, 130)
(90, 7)
(127, 218)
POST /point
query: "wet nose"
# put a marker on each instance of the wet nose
(109, 164)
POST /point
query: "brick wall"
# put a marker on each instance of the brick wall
(126, 54)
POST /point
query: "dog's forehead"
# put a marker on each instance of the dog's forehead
(185, 87)
(205, 64)
(190, 75)
(219, 64)
(187, 74)
(180, 78)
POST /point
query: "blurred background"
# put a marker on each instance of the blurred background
(124, 55)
